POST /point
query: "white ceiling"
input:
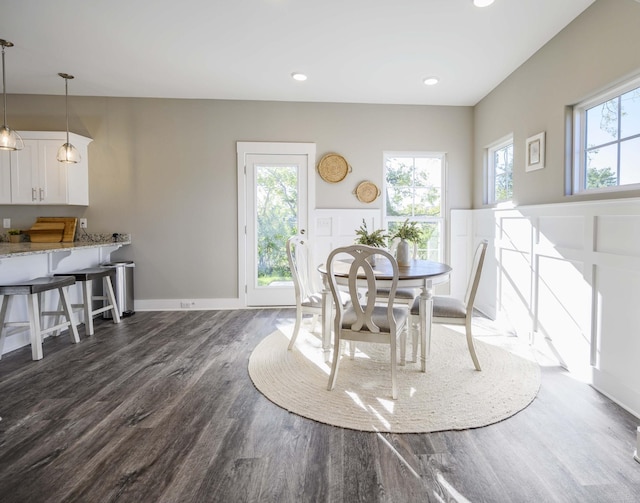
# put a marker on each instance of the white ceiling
(356, 51)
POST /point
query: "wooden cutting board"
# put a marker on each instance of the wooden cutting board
(70, 224)
(46, 232)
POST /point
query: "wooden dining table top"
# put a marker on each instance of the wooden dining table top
(417, 269)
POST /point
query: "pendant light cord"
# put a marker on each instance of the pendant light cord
(4, 91)
(66, 104)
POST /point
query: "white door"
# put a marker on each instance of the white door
(276, 202)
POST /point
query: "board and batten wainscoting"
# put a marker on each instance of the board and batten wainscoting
(567, 277)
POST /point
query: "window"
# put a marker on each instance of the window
(500, 171)
(414, 190)
(607, 141)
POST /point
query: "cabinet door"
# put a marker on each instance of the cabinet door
(5, 177)
(52, 175)
(24, 183)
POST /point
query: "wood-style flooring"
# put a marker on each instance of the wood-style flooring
(160, 408)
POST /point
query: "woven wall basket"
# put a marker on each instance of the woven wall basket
(333, 168)
(367, 192)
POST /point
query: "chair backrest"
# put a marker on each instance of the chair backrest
(298, 255)
(358, 269)
(476, 272)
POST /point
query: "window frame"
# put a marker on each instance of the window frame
(579, 135)
(490, 172)
(440, 220)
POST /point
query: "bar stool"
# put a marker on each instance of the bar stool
(86, 277)
(33, 289)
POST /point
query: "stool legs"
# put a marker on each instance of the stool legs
(68, 312)
(111, 296)
(87, 305)
(35, 325)
(3, 314)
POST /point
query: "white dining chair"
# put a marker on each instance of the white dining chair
(308, 295)
(448, 310)
(364, 319)
(308, 301)
(404, 296)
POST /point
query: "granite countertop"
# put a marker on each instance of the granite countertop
(87, 241)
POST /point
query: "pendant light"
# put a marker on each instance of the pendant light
(67, 153)
(9, 139)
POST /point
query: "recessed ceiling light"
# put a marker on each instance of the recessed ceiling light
(299, 76)
(431, 81)
(482, 3)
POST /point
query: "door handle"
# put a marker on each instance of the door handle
(34, 194)
(41, 194)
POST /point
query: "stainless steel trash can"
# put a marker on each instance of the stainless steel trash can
(123, 287)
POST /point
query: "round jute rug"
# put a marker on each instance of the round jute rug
(451, 395)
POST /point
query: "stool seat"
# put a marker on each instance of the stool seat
(91, 273)
(37, 285)
(86, 278)
(33, 290)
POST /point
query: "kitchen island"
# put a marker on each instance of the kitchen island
(26, 260)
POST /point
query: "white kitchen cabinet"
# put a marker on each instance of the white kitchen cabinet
(38, 178)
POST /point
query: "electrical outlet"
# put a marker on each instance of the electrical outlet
(187, 304)
(83, 223)
(6, 223)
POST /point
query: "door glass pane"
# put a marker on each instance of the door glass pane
(277, 220)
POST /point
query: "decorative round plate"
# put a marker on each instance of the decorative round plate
(333, 168)
(367, 192)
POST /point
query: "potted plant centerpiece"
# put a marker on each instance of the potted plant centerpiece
(14, 235)
(377, 238)
(407, 233)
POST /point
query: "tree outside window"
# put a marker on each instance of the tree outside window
(500, 171)
(414, 191)
(606, 130)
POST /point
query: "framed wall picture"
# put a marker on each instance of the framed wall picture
(535, 152)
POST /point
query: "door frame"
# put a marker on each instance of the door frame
(245, 148)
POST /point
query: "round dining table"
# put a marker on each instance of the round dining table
(422, 274)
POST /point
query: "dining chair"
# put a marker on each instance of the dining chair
(308, 295)
(404, 296)
(448, 310)
(308, 300)
(364, 319)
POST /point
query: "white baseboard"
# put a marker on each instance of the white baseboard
(187, 304)
(621, 393)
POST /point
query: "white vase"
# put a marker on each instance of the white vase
(402, 253)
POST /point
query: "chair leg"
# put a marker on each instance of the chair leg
(68, 311)
(403, 344)
(34, 326)
(337, 347)
(394, 380)
(3, 314)
(314, 322)
(415, 337)
(296, 328)
(472, 348)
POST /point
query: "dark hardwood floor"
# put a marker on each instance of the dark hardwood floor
(160, 408)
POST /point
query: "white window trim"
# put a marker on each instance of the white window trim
(490, 175)
(442, 219)
(578, 171)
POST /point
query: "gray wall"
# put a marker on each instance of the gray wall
(599, 48)
(165, 171)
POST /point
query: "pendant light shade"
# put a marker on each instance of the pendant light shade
(9, 139)
(67, 153)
